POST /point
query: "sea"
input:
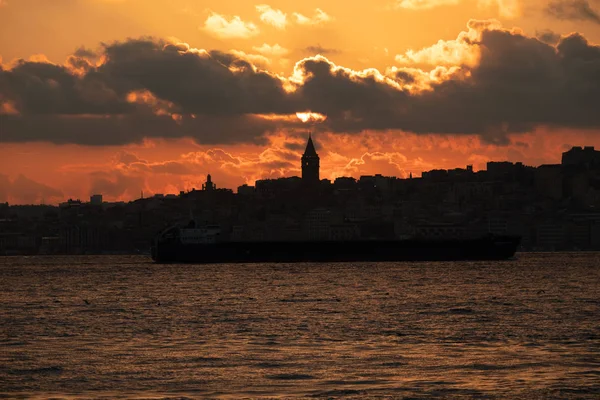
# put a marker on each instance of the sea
(109, 327)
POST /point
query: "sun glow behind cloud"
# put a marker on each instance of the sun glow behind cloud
(463, 50)
(310, 117)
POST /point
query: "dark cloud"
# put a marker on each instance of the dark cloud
(404, 77)
(548, 36)
(41, 88)
(58, 105)
(519, 83)
(214, 84)
(85, 53)
(133, 128)
(215, 97)
(578, 10)
(318, 49)
(295, 146)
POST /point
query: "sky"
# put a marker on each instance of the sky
(120, 97)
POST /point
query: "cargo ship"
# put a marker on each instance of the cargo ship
(191, 244)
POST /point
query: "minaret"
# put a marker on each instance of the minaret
(310, 163)
(209, 185)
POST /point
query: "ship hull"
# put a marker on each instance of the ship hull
(488, 248)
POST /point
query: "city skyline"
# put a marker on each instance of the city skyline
(172, 92)
(310, 172)
(553, 206)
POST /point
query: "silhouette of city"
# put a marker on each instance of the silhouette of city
(551, 207)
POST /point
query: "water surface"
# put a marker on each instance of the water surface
(106, 327)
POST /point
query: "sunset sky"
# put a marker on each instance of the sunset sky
(122, 96)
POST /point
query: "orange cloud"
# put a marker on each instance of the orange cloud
(271, 16)
(464, 50)
(8, 107)
(319, 17)
(505, 8)
(257, 60)
(232, 28)
(23, 190)
(424, 4)
(273, 51)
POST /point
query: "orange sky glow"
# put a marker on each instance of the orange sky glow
(121, 97)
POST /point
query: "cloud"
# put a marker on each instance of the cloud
(506, 8)
(273, 162)
(271, 16)
(548, 36)
(457, 52)
(318, 49)
(490, 82)
(424, 4)
(577, 10)
(273, 51)
(85, 53)
(518, 83)
(116, 184)
(255, 59)
(4, 188)
(23, 190)
(126, 158)
(318, 18)
(233, 28)
(167, 167)
(278, 18)
(386, 163)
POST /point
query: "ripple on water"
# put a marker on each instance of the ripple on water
(520, 329)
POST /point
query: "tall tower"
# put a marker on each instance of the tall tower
(209, 185)
(310, 163)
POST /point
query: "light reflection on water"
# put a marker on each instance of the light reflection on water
(124, 327)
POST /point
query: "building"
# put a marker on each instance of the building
(500, 169)
(581, 156)
(343, 232)
(344, 183)
(70, 204)
(440, 231)
(246, 190)
(267, 188)
(549, 181)
(317, 224)
(550, 235)
(209, 185)
(310, 163)
(96, 199)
